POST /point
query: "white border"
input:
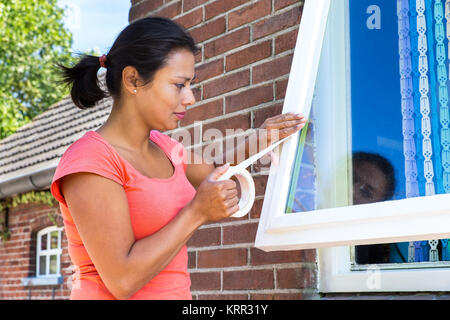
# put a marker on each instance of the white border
(48, 252)
(385, 222)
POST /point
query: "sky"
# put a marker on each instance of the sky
(95, 24)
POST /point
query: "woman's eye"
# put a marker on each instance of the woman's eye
(180, 85)
(365, 191)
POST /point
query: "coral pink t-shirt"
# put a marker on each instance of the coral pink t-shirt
(152, 204)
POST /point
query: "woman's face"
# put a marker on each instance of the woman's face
(369, 183)
(169, 92)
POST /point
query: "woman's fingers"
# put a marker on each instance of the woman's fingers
(231, 202)
(230, 194)
(285, 117)
(285, 124)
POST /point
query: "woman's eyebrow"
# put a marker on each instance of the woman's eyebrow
(187, 78)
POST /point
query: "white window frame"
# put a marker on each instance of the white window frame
(48, 252)
(333, 230)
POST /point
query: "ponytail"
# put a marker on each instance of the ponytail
(144, 44)
(85, 91)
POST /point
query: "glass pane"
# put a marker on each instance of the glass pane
(399, 113)
(302, 188)
(54, 240)
(400, 135)
(44, 242)
(53, 264)
(42, 265)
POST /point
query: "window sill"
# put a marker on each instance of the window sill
(42, 281)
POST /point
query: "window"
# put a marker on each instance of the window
(48, 257)
(354, 183)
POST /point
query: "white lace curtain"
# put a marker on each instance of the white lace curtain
(424, 48)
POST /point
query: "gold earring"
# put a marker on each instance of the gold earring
(135, 91)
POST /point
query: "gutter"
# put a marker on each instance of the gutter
(37, 181)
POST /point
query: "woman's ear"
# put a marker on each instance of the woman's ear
(130, 78)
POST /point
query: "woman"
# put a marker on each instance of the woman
(128, 207)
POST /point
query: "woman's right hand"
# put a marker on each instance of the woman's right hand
(216, 200)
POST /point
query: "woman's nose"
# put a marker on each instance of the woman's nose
(189, 99)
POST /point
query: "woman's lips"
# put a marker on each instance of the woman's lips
(180, 115)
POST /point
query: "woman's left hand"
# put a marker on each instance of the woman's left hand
(280, 127)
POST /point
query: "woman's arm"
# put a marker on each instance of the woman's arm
(272, 130)
(99, 208)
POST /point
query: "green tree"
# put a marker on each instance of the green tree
(32, 40)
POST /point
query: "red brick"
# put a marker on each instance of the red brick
(209, 70)
(280, 88)
(241, 121)
(272, 69)
(242, 233)
(226, 84)
(205, 280)
(255, 212)
(190, 4)
(170, 11)
(205, 237)
(144, 8)
(199, 55)
(280, 4)
(286, 41)
(192, 259)
(209, 30)
(224, 146)
(260, 184)
(203, 112)
(262, 114)
(276, 23)
(17, 257)
(223, 297)
(249, 13)
(296, 278)
(259, 257)
(249, 98)
(249, 55)
(221, 258)
(191, 19)
(277, 296)
(216, 8)
(197, 93)
(227, 42)
(248, 280)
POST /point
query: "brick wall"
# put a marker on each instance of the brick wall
(18, 255)
(243, 70)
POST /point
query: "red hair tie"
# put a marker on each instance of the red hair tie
(103, 61)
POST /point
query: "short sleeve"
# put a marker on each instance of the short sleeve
(87, 155)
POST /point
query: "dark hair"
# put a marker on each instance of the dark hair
(383, 164)
(144, 44)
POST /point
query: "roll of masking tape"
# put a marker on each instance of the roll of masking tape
(245, 179)
(247, 189)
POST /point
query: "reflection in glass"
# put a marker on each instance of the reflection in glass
(54, 240)
(53, 264)
(399, 112)
(44, 242)
(301, 196)
(398, 100)
(42, 265)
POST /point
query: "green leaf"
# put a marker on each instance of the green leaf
(33, 38)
